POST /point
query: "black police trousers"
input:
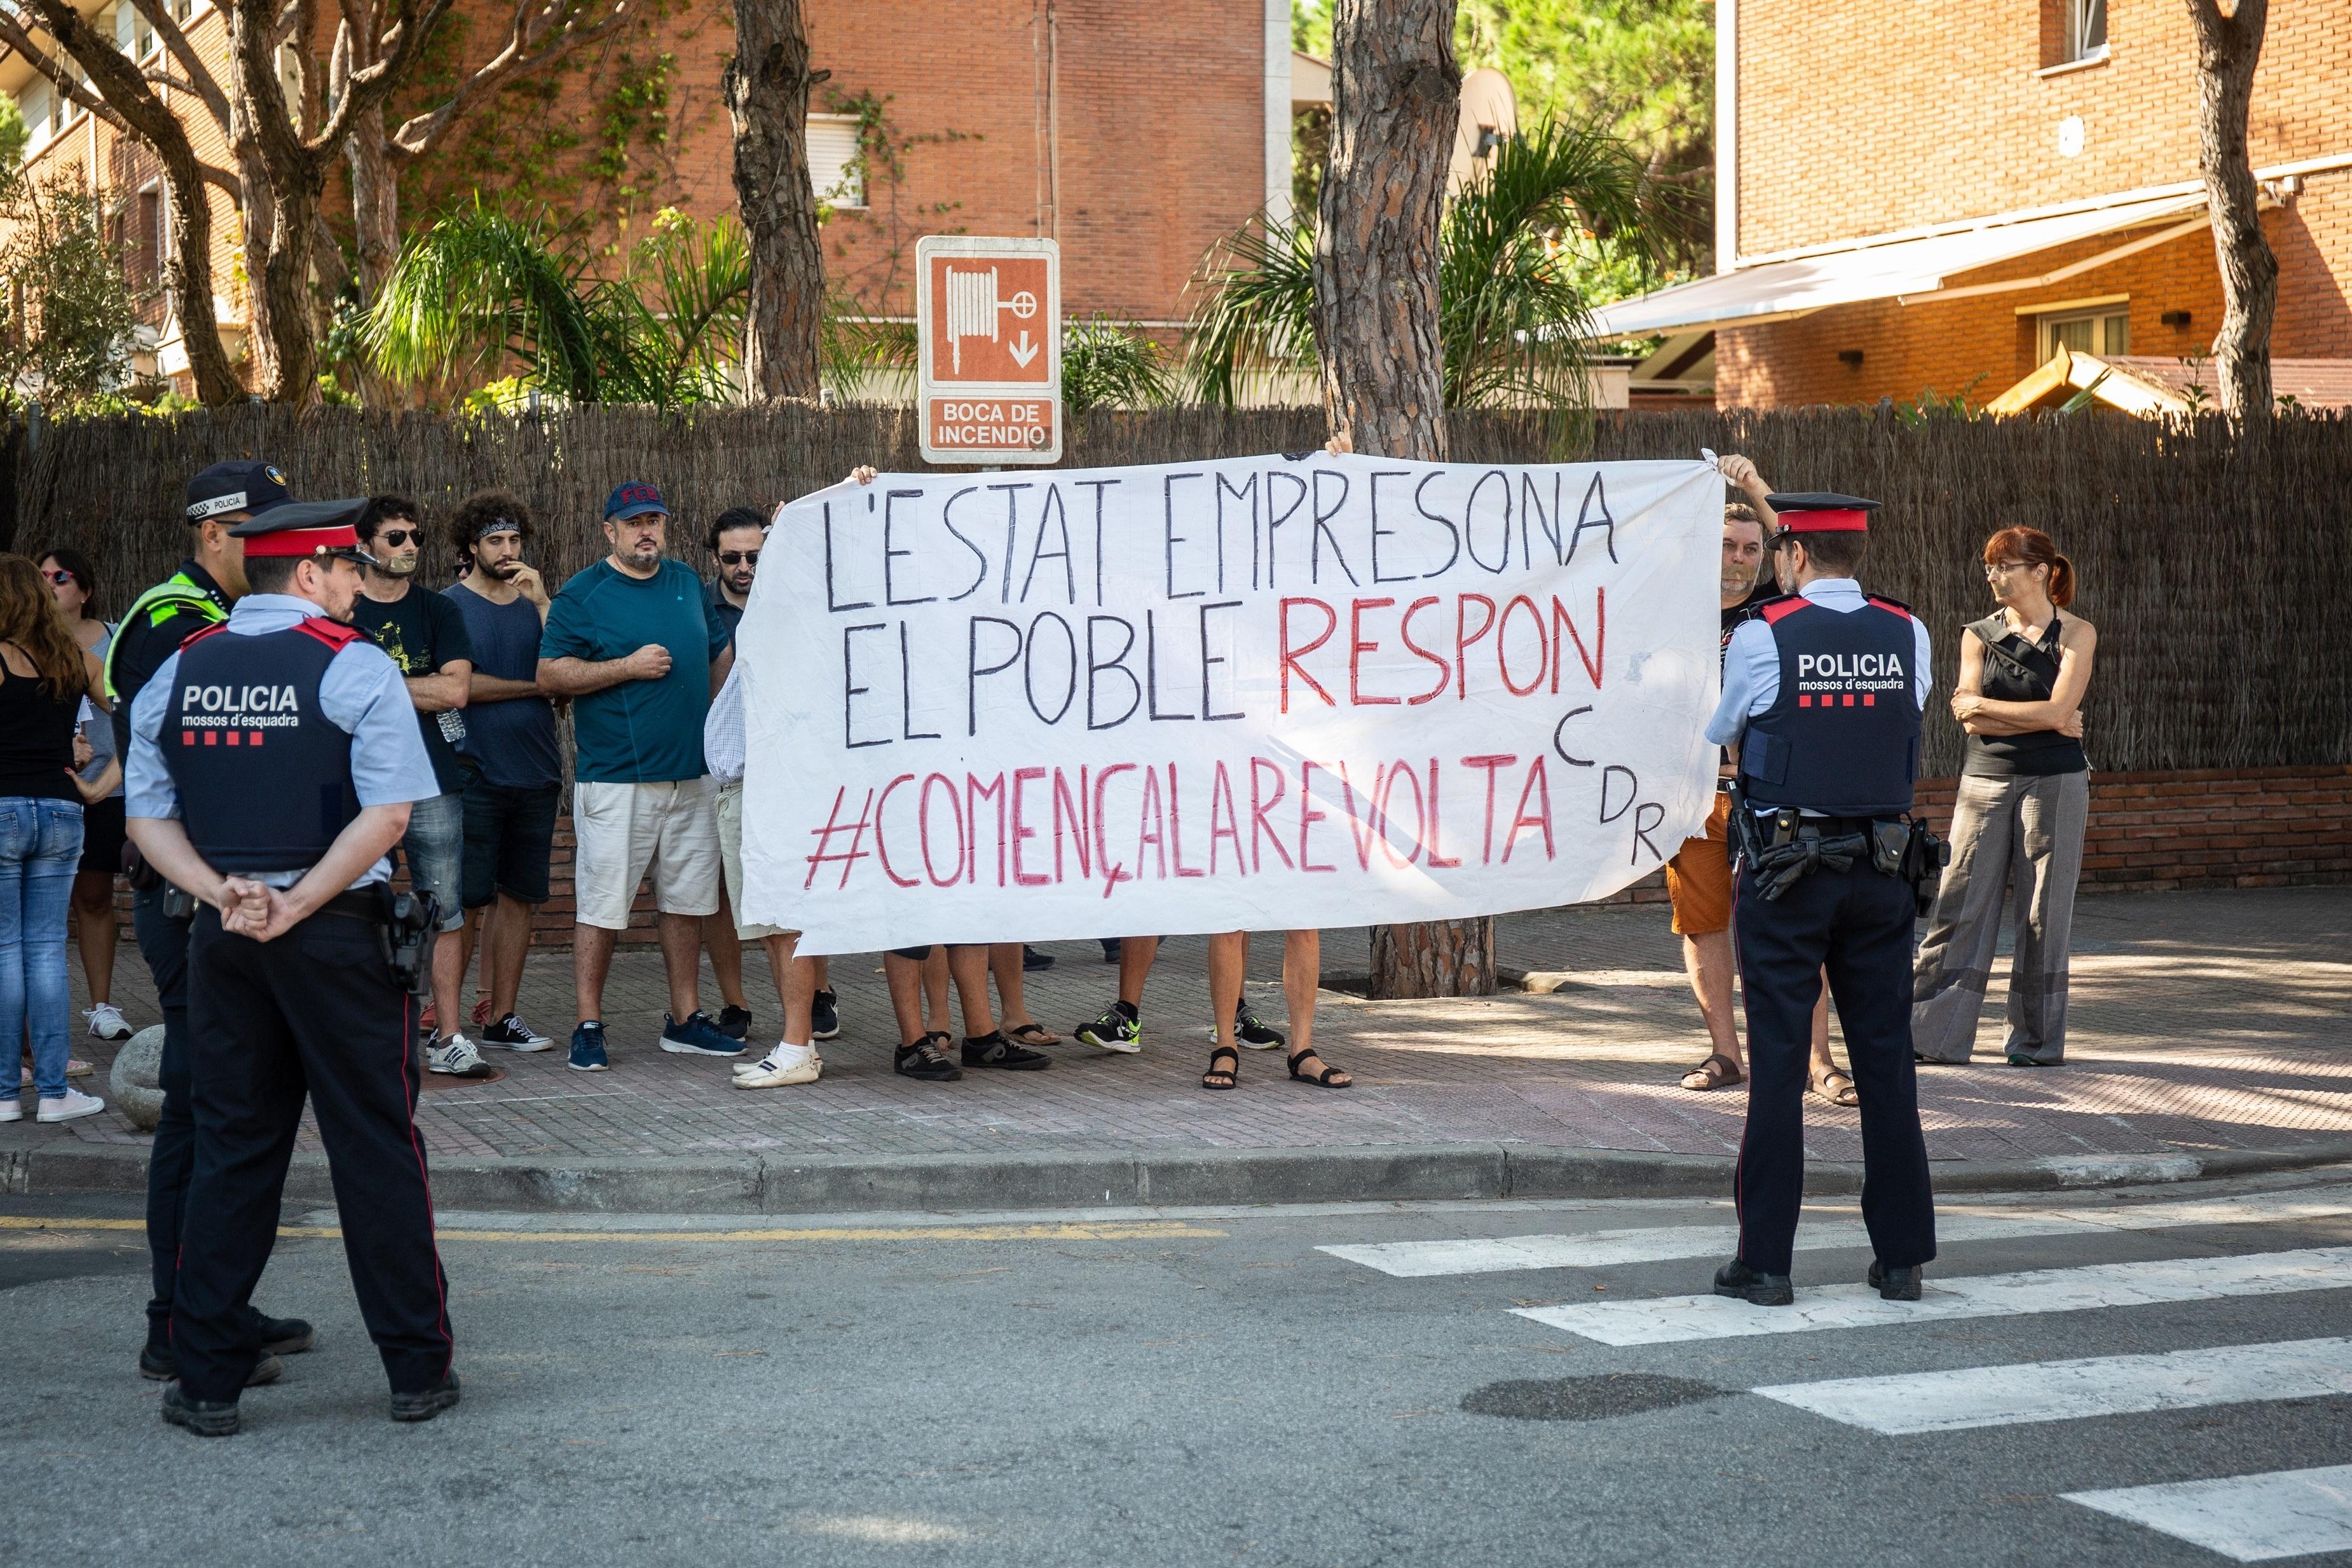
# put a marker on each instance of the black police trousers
(1856, 923)
(314, 1011)
(164, 943)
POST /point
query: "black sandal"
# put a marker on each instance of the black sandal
(1032, 1034)
(1232, 1075)
(1321, 1080)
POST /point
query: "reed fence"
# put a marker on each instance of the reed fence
(2216, 567)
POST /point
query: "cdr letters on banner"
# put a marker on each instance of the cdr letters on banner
(1254, 693)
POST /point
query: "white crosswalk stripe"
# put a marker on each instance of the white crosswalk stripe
(1604, 1249)
(2250, 1519)
(1917, 1402)
(1671, 1319)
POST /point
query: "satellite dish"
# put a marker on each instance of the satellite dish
(1490, 116)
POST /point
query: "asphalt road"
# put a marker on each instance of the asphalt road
(1208, 1387)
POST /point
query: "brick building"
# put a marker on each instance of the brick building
(1944, 195)
(1134, 131)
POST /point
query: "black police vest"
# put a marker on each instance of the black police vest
(1843, 736)
(265, 780)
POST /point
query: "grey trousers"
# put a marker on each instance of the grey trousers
(2018, 842)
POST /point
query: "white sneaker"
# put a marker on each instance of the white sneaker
(70, 1106)
(106, 1022)
(457, 1057)
(13, 1108)
(785, 1065)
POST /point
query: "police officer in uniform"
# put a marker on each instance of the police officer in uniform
(272, 764)
(1823, 689)
(191, 600)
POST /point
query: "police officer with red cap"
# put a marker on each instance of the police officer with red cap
(1822, 690)
(193, 599)
(273, 760)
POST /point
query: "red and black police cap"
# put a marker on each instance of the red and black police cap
(1822, 512)
(314, 528)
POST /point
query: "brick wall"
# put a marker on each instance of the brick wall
(1861, 119)
(1949, 345)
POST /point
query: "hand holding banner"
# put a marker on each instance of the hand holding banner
(1259, 693)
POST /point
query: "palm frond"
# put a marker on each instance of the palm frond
(476, 286)
(1107, 365)
(1257, 309)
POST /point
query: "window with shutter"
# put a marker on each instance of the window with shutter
(836, 173)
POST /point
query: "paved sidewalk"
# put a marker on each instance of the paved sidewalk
(2202, 1023)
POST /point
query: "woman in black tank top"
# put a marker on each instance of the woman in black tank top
(2018, 819)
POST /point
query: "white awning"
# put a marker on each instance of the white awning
(1891, 268)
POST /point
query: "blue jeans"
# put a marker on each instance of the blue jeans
(40, 845)
(436, 847)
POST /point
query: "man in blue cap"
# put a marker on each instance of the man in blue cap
(191, 600)
(273, 762)
(634, 641)
(1823, 689)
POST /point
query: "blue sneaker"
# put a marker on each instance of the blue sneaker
(588, 1049)
(697, 1036)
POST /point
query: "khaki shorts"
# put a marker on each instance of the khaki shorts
(730, 855)
(1699, 879)
(622, 830)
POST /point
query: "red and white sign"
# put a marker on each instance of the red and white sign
(988, 316)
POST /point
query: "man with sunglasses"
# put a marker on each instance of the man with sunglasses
(426, 636)
(735, 541)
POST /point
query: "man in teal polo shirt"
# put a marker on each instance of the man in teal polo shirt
(634, 641)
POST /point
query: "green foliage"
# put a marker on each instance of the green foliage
(1107, 365)
(14, 135)
(66, 305)
(1641, 69)
(479, 289)
(857, 347)
(1520, 262)
(1932, 404)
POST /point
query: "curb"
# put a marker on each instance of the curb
(752, 1184)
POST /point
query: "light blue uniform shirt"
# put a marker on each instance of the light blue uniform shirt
(361, 694)
(1751, 663)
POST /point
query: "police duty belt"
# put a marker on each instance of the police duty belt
(1782, 866)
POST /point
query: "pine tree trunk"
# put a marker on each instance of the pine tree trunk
(2228, 49)
(1396, 93)
(767, 86)
(188, 274)
(376, 201)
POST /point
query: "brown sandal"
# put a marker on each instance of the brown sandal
(1717, 1072)
(1232, 1075)
(1822, 1086)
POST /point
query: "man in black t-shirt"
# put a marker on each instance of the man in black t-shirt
(426, 636)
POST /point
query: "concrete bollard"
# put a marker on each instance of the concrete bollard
(133, 1085)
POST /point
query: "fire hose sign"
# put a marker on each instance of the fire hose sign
(988, 313)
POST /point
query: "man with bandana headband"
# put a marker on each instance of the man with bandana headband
(516, 781)
(426, 636)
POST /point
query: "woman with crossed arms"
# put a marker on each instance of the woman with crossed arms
(2018, 818)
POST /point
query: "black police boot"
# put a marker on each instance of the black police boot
(425, 1403)
(158, 1364)
(202, 1416)
(286, 1336)
(1894, 1284)
(1762, 1290)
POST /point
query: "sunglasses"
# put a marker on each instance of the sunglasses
(60, 576)
(398, 536)
(738, 557)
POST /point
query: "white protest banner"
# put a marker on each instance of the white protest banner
(1257, 693)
